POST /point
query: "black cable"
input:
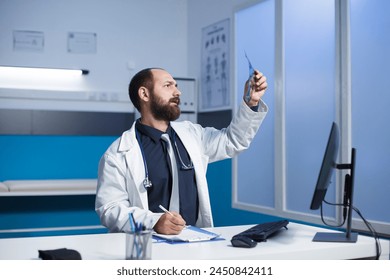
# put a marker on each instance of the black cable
(322, 217)
(368, 225)
(373, 233)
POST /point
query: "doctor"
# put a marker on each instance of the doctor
(135, 174)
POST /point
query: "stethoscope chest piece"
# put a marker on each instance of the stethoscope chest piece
(147, 183)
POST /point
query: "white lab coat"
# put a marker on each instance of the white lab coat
(120, 189)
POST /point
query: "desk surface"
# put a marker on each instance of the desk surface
(294, 243)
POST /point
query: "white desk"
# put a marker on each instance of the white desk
(295, 243)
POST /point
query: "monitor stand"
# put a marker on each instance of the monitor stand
(335, 237)
(347, 236)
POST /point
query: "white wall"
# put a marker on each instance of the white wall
(140, 33)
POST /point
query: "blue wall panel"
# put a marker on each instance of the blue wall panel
(25, 157)
(49, 157)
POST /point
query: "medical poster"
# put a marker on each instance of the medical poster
(215, 68)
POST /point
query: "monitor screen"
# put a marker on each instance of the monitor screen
(327, 168)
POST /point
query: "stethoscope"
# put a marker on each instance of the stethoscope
(147, 182)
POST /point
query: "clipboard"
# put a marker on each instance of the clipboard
(188, 234)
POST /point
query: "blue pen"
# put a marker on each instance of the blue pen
(134, 229)
(132, 223)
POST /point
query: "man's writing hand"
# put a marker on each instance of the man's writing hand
(170, 223)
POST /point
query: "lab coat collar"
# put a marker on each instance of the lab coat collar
(128, 140)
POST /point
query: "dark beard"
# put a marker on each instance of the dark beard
(164, 112)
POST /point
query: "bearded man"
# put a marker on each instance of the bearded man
(137, 175)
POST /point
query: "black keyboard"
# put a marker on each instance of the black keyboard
(262, 232)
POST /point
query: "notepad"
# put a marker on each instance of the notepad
(189, 234)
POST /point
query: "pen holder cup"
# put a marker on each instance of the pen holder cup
(139, 245)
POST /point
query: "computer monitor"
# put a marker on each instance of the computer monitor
(328, 166)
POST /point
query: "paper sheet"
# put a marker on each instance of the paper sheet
(189, 234)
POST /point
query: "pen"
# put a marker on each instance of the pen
(132, 223)
(165, 210)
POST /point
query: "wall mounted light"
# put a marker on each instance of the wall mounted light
(39, 71)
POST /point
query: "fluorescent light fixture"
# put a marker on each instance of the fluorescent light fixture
(42, 72)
